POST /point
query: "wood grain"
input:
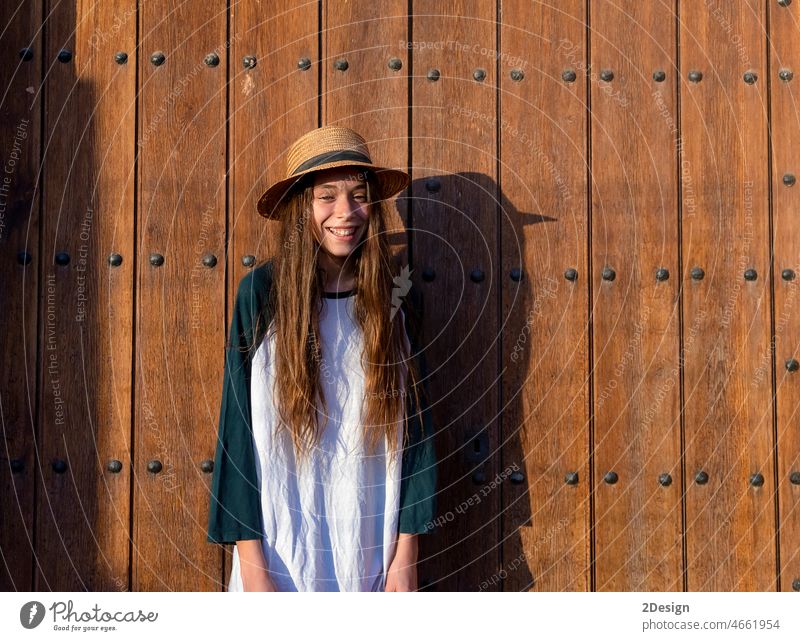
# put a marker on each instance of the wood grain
(543, 219)
(83, 513)
(454, 233)
(784, 55)
(730, 524)
(179, 317)
(635, 317)
(20, 241)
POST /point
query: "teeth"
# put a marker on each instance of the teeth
(342, 233)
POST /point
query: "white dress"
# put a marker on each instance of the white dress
(333, 526)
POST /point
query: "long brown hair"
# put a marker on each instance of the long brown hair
(298, 283)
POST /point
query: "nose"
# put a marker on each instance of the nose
(345, 206)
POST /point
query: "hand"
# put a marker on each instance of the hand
(256, 580)
(401, 577)
(402, 573)
(253, 567)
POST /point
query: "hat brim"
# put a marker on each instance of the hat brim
(391, 181)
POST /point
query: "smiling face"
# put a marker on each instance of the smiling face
(341, 209)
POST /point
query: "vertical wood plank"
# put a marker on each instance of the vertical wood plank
(730, 523)
(182, 198)
(371, 94)
(83, 506)
(20, 137)
(784, 32)
(636, 331)
(271, 104)
(543, 129)
(454, 244)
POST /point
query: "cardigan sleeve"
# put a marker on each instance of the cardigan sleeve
(419, 467)
(235, 510)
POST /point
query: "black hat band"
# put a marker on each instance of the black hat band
(332, 156)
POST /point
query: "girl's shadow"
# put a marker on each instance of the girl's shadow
(474, 305)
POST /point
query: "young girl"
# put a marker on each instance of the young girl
(325, 470)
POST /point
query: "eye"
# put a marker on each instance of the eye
(361, 197)
(325, 197)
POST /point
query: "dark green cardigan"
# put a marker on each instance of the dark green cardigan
(235, 510)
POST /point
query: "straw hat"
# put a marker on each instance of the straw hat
(324, 148)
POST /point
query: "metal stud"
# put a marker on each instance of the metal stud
(304, 64)
(211, 60)
(154, 466)
(207, 466)
(341, 64)
(695, 76)
(433, 185)
(568, 75)
(26, 54)
(665, 480)
(792, 365)
(750, 77)
(606, 75)
(478, 477)
(571, 274)
(158, 58)
(794, 478)
(750, 274)
(249, 62)
(785, 74)
(428, 274)
(517, 75)
(209, 260)
(789, 180)
(701, 478)
(796, 585)
(479, 75)
(62, 259)
(59, 466)
(662, 274)
(516, 274)
(517, 477)
(114, 466)
(609, 274)
(156, 260)
(571, 478)
(395, 64)
(433, 75)
(249, 260)
(784, 3)
(757, 479)
(24, 258)
(17, 465)
(611, 477)
(120, 57)
(65, 55)
(476, 275)
(659, 75)
(787, 274)
(697, 273)
(115, 260)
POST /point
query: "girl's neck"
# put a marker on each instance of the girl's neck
(339, 272)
